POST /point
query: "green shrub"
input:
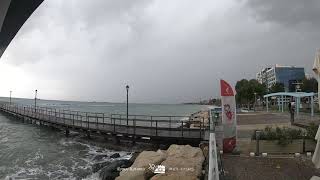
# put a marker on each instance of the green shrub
(284, 135)
(312, 131)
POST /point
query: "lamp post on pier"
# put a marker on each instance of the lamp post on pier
(255, 101)
(127, 88)
(10, 97)
(35, 100)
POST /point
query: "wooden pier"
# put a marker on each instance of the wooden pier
(159, 129)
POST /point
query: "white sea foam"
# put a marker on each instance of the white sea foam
(33, 167)
(94, 176)
(184, 119)
(4, 140)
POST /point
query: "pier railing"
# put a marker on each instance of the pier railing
(135, 125)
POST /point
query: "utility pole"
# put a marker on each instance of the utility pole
(127, 88)
(35, 100)
(10, 97)
(255, 101)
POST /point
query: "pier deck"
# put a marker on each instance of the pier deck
(165, 129)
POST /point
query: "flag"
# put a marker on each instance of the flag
(229, 118)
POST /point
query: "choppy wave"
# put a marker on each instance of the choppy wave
(77, 167)
(4, 140)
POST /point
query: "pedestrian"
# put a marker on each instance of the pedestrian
(291, 110)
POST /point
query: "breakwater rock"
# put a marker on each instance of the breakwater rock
(179, 162)
(199, 119)
(111, 170)
(140, 167)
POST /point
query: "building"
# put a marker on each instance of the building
(289, 76)
(262, 75)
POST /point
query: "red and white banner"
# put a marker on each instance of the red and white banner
(229, 117)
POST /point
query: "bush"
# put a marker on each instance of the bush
(283, 135)
(312, 131)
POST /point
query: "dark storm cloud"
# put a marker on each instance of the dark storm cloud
(287, 12)
(167, 51)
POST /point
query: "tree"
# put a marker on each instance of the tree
(277, 87)
(309, 85)
(246, 90)
(242, 87)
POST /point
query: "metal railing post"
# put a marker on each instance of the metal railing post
(182, 128)
(81, 120)
(77, 117)
(103, 120)
(87, 120)
(55, 115)
(63, 116)
(200, 129)
(114, 124)
(134, 123)
(59, 115)
(203, 127)
(156, 127)
(97, 121)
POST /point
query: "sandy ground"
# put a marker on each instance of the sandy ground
(279, 168)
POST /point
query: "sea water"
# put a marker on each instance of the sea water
(29, 151)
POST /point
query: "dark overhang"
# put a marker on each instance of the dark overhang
(13, 14)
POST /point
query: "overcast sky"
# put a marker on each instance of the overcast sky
(168, 51)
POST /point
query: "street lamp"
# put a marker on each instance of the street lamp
(35, 100)
(127, 87)
(255, 101)
(10, 97)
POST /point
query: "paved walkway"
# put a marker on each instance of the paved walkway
(248, 122)
(247, 168)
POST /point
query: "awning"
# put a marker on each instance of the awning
(292, 94)
(14, 14)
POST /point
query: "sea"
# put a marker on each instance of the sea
(29, 151)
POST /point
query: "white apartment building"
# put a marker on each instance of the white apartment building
(287, 75)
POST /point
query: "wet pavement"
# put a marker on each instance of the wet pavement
(278, 168)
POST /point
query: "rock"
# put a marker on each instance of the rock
(99, 157)
(315, 178)
(133, 175)
(111, 171)
(115, 155)
(186, 161)
(163, 146)
(134, 157)
(139, 169)
(149, 157)
(205, 149)
(97, 166)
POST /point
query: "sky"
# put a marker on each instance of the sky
(167, 51)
